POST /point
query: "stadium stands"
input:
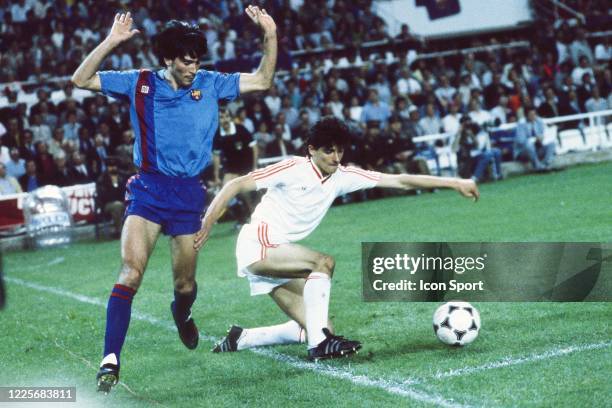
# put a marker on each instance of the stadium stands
(325, 69)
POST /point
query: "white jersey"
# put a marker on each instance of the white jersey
(298, 195)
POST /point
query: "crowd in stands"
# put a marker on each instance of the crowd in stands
(386, 102)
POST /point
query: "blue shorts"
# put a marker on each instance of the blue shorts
(177, 204)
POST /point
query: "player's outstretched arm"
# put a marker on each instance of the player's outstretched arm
(465, 187)
(86, 75)
(215, 210)
(261, 79)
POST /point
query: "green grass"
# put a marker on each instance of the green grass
(50, 339)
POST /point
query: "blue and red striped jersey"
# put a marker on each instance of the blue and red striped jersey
(174, 130)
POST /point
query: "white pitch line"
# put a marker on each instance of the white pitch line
(392, 387)
(512, 361)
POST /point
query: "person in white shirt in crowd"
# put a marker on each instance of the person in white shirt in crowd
(479, 115)
(335, 104)
(407, 85)
(596, 103)
(580, 47)
(603, 52)
(431, 123)
(15, 167)
(273, 100)
(292, 115)
(582, 68)
(499, 114)
(451, 122)
(299, 193)
(445, 92)
(8, 184)
(56, 144)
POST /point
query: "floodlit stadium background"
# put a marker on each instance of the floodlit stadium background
(332, 53)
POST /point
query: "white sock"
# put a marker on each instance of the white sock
(286, 333)
(316, 305)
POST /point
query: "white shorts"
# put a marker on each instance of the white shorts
(253, 242)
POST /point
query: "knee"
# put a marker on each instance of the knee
(131, 273)
(325, 264)
(184, 285)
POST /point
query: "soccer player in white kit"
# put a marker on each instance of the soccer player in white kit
(299, 192)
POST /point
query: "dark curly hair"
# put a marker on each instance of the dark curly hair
(178, 39)
(328, 132)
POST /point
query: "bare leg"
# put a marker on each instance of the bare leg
(296, 261)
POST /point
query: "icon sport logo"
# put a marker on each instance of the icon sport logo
(196, 94)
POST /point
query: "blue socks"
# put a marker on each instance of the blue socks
(183, 303)
(118, 314)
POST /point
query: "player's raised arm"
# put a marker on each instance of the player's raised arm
(465, 187)
(86, 75)
(262, 78)
(215, 210)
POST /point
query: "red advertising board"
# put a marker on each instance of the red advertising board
(81, 206)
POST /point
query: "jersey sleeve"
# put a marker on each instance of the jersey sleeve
(118, 84)
(274, 175)
(353, 178)
(226, 85)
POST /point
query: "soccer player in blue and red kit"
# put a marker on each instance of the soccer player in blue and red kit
(174, 113)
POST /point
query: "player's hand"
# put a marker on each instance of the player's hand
(201, 236)
(262, 19)
(122, 28)
(468, 188)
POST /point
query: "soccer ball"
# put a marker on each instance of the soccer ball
(456, 323)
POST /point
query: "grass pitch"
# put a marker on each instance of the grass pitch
(528, 354)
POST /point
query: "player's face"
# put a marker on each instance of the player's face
(327, 159)
(183, 70)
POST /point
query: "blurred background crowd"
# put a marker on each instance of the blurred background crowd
(335, 58)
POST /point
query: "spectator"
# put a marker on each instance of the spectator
(273, 101)
(500, 113)
(56, 145)
(71, 128)
(479, 115)
(529, 143)
(407, 85)
(28, 148)
(549, 108)
(451, 122)
(62, 176)
(474, 153)
(580, 47)
(278, 147)
(582, 68)
(445, 92)
(335, 104)
(30, 181)
(40, 131)
(5, 152)
(262, 138)
(98, 156)
(8, 184)
(375, 110)
(79, 173)
(110, 191)
(125, 152)
(596, 103)
(431, 123)
(15, 167)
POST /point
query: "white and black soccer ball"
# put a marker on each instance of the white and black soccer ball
(456, 323)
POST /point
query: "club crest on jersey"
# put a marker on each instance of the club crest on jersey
(196, 94)
(144, 89)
